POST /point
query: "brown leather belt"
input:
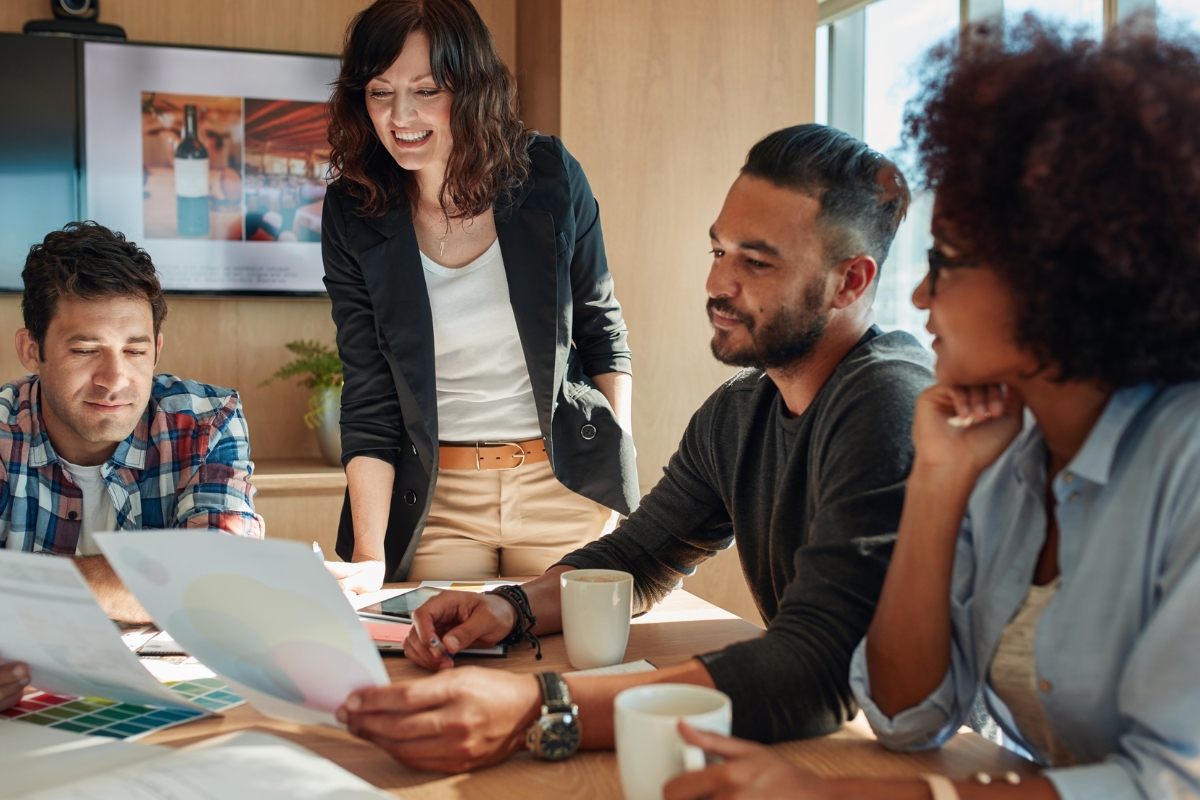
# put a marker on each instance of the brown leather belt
(492, 455)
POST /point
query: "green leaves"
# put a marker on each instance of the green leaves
(320, 364)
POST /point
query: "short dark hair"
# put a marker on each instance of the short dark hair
(863, 195)
(1071, 168)
(489, 153)
(87, 261)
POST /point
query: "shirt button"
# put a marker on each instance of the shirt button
(1073, 496)
(410, 497)
(71, 515)
(588, 431)
(1045, 686)
(1068, 477)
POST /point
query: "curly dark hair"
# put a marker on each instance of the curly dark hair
(88, 261)
(1072, 168)
(489, 153)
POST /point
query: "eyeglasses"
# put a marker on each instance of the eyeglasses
(939, 261)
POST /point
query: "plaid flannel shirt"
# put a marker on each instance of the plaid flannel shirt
(186, 465)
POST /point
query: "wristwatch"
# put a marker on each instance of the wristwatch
(556, 734)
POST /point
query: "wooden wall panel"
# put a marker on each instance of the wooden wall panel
(661, 99)
(307, 26)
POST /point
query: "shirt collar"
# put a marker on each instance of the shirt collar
(1094, 460)
(131, 452)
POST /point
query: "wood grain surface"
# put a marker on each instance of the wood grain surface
(674, 631)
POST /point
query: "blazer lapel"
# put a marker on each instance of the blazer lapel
(528, 244)
(396, 280)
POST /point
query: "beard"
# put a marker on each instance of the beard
(776, 342)
(96, 429)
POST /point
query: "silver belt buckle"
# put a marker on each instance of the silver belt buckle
(520, 452)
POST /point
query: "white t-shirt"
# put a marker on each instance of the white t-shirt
(99, 513)
(483, 388)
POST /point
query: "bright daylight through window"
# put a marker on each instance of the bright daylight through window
(866, 73)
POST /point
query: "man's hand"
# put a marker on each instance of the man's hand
(750, 772)
(358, 577)
(14, 677)
(450, 722)
(458, 620)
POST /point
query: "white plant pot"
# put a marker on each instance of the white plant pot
(329, 431)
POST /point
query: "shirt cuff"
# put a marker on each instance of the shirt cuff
(601, 366)
(1105, 779)
(922, 727)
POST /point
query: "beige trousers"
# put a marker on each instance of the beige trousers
(503, 523)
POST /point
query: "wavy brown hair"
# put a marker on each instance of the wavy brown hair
(1071, 168)
(489, 153)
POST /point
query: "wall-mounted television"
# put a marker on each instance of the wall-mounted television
(215, 161)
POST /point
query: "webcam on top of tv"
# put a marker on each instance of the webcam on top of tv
(79, 19)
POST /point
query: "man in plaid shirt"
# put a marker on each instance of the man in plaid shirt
(93, 440)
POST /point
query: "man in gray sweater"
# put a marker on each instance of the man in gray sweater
(801, 459)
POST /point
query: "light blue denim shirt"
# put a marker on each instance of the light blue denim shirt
(1117, 652)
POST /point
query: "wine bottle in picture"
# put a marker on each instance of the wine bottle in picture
(191, 179)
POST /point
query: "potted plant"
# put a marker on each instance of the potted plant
(322, 368)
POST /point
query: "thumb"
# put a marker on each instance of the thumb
(475, 627)
(715, 743)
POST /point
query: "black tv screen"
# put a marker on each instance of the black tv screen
(39, 179)
(214, 161)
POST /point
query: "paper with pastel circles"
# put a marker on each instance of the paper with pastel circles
(264, 615)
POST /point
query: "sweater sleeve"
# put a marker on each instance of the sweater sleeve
(793, 682)
(679, 524)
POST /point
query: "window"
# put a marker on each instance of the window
(1086, 13)
(1181, 12)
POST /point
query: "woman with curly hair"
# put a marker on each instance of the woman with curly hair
(1049, 549)
(484, 352)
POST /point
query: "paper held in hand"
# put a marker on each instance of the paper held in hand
(52, 622)
(264, 615)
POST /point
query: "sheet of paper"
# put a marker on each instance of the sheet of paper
(264, 615)
(249, 766)
(360, 601)
(52, 622)
(34, 758)
(618, 669)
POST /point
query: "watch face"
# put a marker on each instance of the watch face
(558, 736)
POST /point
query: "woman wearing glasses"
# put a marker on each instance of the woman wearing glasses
(485, 413)
(1049, 549)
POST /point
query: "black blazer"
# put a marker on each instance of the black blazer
(569, 322)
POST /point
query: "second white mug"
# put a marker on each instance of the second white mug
(596, 607)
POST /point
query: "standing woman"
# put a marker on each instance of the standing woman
(486, 406)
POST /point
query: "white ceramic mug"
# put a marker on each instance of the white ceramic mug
(596, 607)
(650, 750)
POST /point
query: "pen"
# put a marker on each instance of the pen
(318, 552)
(436, 644)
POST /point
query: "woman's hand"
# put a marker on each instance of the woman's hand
(358, 577)
(14, 677)
(965, 428)
(750, 772)
(454, 721)
(460, 619)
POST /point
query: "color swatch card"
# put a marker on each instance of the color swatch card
(264, 615)
(52, 622)
(97, 716)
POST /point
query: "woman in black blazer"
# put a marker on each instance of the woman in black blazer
(485, 432)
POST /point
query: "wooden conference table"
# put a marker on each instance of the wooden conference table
(675, 630)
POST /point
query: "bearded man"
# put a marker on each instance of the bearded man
(800, 459)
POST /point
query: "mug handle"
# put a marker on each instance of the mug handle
(693, 758)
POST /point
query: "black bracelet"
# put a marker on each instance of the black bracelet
(525, 623)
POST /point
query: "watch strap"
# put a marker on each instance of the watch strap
(555, 695)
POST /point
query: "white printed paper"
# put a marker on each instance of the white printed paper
(264, 615)
(52, 622)
(618, 669)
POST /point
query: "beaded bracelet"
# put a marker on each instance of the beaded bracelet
(525, 621)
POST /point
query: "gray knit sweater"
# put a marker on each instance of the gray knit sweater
(813, 503)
